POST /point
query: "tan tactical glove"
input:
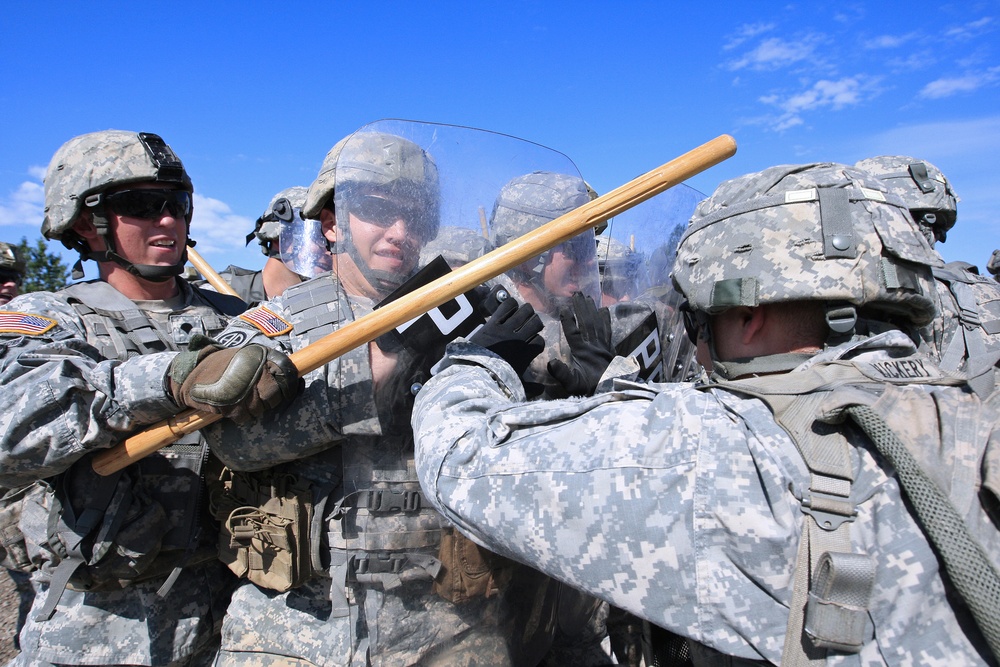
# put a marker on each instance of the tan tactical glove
(241, 383)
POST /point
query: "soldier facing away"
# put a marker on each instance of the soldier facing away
(124, 566)
(749, 518)
(966, 333)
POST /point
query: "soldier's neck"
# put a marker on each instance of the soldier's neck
(136, 288)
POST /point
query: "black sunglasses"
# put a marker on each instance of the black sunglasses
(11, 277)
(150, 204)
(384, 212)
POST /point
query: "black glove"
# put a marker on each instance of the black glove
(241, 383)
(588, 332)
(512, 332)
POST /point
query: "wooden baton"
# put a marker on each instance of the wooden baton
(369, 327)
(211, 275)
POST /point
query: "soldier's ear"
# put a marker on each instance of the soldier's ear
(84, 226)
(328, 223)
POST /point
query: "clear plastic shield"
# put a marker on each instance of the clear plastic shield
(302, 246)
(636, 254)
(407, 192)
(409, 201)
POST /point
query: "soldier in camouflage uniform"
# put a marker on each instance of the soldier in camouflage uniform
(571, 625)
(686, 504)
(11, 272)
(966, 333)
(365, 564)
(125, 566)
(256, 286)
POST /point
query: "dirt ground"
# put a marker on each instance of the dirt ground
(8, 617)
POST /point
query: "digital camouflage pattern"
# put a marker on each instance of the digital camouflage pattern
(11, 259)
(79, 401)
(705, 489)
(921, 186)
(457, 245)
(824, 232)
(89, 164)
(967, 326)
(268, 226)
(340, 438)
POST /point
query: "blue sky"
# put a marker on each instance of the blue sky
(251, 95)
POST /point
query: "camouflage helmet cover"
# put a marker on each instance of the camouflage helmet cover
(920, 185)
(268, 225)
(321, 190)
(91, 163)
(378, 160)
(826, 232)
(528, 202)
(457, 245)
(11, 259)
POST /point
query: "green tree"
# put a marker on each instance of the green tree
(45, 270)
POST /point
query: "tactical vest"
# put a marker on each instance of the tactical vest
(144, 521)
(380, 530)
(938, 442)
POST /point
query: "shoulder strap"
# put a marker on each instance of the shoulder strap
(832, 584)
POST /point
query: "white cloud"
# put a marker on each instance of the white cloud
(834, 95)
(216, 227)
(774, 53)
(970, 30)
(25, 205)
(946, 87)
(889, 41)
(745, 32)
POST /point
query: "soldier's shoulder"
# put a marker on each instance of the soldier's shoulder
(39, 313)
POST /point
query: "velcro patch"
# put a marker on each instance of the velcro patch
(270, 323)
(25, 323)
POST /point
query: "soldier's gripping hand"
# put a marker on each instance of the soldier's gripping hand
(241, 383)
(588, 332)
(512, 332)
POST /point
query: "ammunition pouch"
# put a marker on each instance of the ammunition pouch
(265, 521)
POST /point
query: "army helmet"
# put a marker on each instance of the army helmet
(815, 232)
(927, 193)
(526, 203)
(284, 207)
(11, 260)
(456, 245)
(369, 166)
(85, 167)
(621, 268)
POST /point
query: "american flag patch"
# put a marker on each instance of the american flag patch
(270, 323)
(24, 323)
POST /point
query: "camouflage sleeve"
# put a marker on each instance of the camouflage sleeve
(648, 496)
(60, 398)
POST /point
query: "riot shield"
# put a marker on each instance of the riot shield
(406, 193)
(636, 254)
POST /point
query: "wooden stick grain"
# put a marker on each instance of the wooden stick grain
(211, 275)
